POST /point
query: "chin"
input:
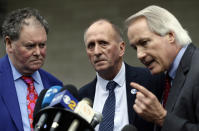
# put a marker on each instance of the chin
(35, 68)
(101, 69)
(152, 72)
(156, 71)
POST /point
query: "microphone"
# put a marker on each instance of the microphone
(66, 100)
(96, 119)
(74, 125)
(129, 128)
(46, 96)
(72, 89)
(50, 95)
(42, 119)
(39, 102)
(84, 110)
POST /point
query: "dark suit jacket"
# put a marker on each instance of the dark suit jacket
(133, 74)
(183, 100)
(10, 115)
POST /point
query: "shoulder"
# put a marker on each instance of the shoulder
(196, 55)
(88, 90)
(47, 77)
(189, 62)
(136, 70)
(3, 61)
(139, 75)
(142, 72)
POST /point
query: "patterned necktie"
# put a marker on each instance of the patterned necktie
(31, 97)
(167, 88)
(108, 112)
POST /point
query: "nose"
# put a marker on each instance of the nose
(97, 50)
(140, 53)
(37, 51)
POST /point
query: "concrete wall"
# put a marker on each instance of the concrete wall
(68, 19)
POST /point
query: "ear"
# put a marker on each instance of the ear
(9, 45)
(171, 37)
(122, 48)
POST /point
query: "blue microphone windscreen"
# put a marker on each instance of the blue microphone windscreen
(50, 95)
(65, 100)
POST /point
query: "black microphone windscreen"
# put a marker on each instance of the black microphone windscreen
(129, 128)
(72, 89)
(39, 102)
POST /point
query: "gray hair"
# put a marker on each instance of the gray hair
(162, 22)
(16, 19)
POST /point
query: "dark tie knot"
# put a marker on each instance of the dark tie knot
(111, 85)
(168, 78)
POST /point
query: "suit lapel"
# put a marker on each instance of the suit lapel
(130, 97)
(175, 90)
(44, 80)
(180, 78)
(9, 94)
(92, 89)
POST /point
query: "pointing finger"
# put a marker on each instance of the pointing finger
(140, 88)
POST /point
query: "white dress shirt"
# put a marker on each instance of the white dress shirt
(101, 94)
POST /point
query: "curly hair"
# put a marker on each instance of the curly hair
(16, 19)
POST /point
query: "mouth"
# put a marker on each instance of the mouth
(148, 64)
(37, 61)
(98, 61)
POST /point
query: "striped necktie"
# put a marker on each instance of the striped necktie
(108, 112)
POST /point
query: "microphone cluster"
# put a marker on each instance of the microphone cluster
(59, 109)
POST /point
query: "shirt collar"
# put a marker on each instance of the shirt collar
(119, 78)
(17, 75)
(176, 62)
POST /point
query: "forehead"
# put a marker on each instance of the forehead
(139, 29)
(33, 32)
(98, 30)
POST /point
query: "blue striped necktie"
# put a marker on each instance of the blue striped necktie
(108, 112)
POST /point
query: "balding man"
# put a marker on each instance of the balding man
(110, 90)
